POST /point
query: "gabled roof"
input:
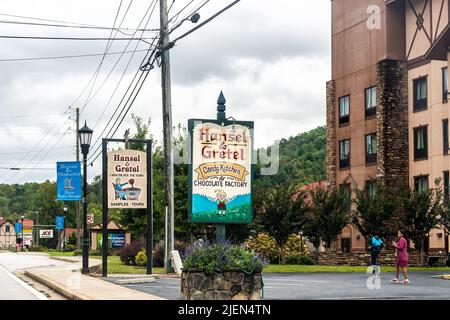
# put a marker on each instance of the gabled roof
(438, 50)
(112, 225)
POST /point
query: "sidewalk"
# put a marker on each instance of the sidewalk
(67, 280)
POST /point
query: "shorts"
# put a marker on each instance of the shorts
(401, 263)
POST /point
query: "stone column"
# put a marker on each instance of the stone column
(331, 134)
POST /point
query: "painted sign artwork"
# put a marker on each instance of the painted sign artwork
(221, 174)
(127, 179)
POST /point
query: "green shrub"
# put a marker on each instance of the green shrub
(38, 249)
(77, 252)
(300, 260)
(218, 258)
(70, 247)
(141, 258)
(439, 264)
(128, 253)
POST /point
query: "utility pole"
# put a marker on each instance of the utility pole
(78, 160)
(167, 131)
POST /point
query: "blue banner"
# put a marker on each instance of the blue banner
(18, 227)
(59, 222)
(68, 181)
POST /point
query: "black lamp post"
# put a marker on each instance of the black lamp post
(85, 135)
(23, 240)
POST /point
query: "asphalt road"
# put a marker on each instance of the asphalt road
(329, 286)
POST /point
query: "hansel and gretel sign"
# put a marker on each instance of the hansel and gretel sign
(127, 179)
(221, 174)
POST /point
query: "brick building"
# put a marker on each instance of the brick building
(387, 105)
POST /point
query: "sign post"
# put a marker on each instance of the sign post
(220, 172)
(127, 184)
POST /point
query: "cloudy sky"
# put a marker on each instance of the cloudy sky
(270, 58)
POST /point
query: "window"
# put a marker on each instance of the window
(371, 148)
(7, 228)
(371, 101)
(420, 143)
(445, 136)
(420, 94)
(444, 84)
(346, 244)
(344, 154)
(344, 110)
(446, 186)
(371, 188)
(421, 184)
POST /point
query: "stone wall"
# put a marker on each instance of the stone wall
(196, 285)
(331, 133)
(363, 259)
(392, 122)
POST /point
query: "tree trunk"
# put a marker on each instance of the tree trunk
(328, 250)
(422, 251)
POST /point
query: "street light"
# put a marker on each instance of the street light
(21, 246)
(85, 135)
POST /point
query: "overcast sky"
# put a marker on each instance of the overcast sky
(270, 58)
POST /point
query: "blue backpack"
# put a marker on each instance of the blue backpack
(377, 242)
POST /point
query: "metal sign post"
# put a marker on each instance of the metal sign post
(148, 203)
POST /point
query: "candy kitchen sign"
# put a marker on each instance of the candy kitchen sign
(127, 179)
(220, 176)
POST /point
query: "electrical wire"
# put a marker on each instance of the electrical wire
(71, 38)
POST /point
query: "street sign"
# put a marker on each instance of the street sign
(46, 234)
(59, 222)
(127, 179)
(68, 181)
(90, 218)
(220, 174)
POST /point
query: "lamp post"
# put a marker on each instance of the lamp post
(62, 234)
(21, 219)
(85, 135)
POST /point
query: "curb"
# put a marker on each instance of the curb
(63, 259)
(136, 281)
(55, 286)
(133, 276)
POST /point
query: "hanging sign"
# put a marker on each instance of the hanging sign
(59, 222)
(220, 176)
(46, 234)
(68, 181)
(127, 179)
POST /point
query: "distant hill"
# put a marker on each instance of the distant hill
(302, 159)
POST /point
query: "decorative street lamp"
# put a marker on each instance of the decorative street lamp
(23, 240)
(85, 135)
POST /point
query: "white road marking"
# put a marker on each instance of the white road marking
(36, 293)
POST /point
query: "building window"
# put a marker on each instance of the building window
(421, 184)
(346, 244)
(446, 186)
(444, 84)
(344, 154)
(344, 110)
(420, 143)
(7, 228)
(371, 188)
(371, 101)
(371, 148)
(420, 94)
(445, 135)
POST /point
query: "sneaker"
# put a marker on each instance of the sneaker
(394, 280)
(406, 281)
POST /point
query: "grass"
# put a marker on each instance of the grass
(339, 269)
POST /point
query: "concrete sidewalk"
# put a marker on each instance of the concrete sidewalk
(67, 280)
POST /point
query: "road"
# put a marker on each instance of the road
(11, 287)
(329, 286)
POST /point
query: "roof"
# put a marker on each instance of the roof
(5, 221)
(438, 50)
(112, 225)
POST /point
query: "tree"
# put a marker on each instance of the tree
(331, 209)
(422, 210)
(373, 210)
(280, 214)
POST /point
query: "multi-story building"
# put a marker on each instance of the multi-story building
(387, 104)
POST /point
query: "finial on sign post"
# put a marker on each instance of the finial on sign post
(221, 107)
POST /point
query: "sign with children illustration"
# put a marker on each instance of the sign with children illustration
(127, 179)
(220, 174)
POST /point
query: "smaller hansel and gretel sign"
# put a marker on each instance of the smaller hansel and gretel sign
(220, 177)
(127, 179)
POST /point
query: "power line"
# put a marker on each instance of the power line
(22, 152)
(69, 56)
(72, 38)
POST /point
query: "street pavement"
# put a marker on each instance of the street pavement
(328, 286)
(12, 288)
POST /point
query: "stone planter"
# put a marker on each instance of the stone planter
(196, 285)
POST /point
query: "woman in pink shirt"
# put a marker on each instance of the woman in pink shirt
(401, 260)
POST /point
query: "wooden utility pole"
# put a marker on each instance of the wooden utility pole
(167, 131)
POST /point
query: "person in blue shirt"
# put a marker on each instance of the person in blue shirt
(120, 190)
(376, 244)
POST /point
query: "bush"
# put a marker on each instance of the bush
(128, 253)
(70, 247)
(439, 264)
(141, 258)
(222, 258)
(294, 247)
(300, 260)
(37, 249)
(77, 252)
(265, 245)
(158, 255)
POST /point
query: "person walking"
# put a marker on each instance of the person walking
(401, 260)
(375, 247)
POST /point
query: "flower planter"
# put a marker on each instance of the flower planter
(196, 285)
